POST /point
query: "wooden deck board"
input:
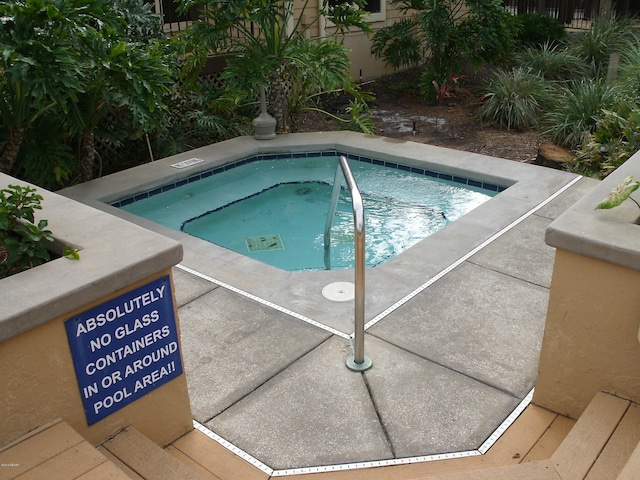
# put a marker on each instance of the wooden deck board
(403, 472)
(191, 463)
(72, 463)
(542, 470)
(38, 447)
(26, 436)
(576, 455)
(550, 440)
(105, 471)
(146, 458)
(619, 448)
(631, 469)
(216, 459)
(521, 437)
(55, 450)
(118, 463)
(531, 471)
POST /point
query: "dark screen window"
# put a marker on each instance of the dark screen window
(372, 6)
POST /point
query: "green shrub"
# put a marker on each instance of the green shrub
(607, 35)
(551, 61)
(21, 239)
(399, 44)
(515, 99)
(536, 29)
(201, 115)
(616, 137)
(574, 114)
(448, 36)
(629, 71)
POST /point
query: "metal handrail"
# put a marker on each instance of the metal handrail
(333, 204)
(358, 361)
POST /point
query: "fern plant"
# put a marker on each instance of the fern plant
(616, 137)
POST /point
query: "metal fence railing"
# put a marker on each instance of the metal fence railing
(572, 13)
(172, 20)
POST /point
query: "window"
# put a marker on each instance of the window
(375, 8)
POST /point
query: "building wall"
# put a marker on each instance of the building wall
(364, 65)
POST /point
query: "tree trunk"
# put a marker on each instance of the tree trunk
(605, 7)
(87, 157)
(277, 102)
(552, 156)
(11, 149)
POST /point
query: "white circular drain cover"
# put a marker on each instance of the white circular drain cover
(339, 291)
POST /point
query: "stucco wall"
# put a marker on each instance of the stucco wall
(364, 66)
(591, 337)
(39, 384)
(38, 381)
(590, 341)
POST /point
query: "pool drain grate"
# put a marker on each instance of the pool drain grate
(264, 243)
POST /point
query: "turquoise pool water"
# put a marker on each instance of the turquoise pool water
(274, 209)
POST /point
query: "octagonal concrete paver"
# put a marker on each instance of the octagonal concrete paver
(429, 409)
(476, 321)
(232, 345)
(316, 412)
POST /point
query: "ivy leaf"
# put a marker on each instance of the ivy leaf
(619, 194)
(71, 253)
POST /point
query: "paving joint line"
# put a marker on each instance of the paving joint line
(468, 255)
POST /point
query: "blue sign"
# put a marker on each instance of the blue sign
(125, 348)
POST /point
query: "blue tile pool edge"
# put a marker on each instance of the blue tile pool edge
(287, 156)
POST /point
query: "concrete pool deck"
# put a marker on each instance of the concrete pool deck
(454, 331)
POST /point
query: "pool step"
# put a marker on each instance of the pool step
(596, 446)
(632, 467)
(55, 450)
(603, 444)
(140, 457)
(208, 457)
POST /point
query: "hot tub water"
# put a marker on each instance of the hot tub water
(275, 210)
